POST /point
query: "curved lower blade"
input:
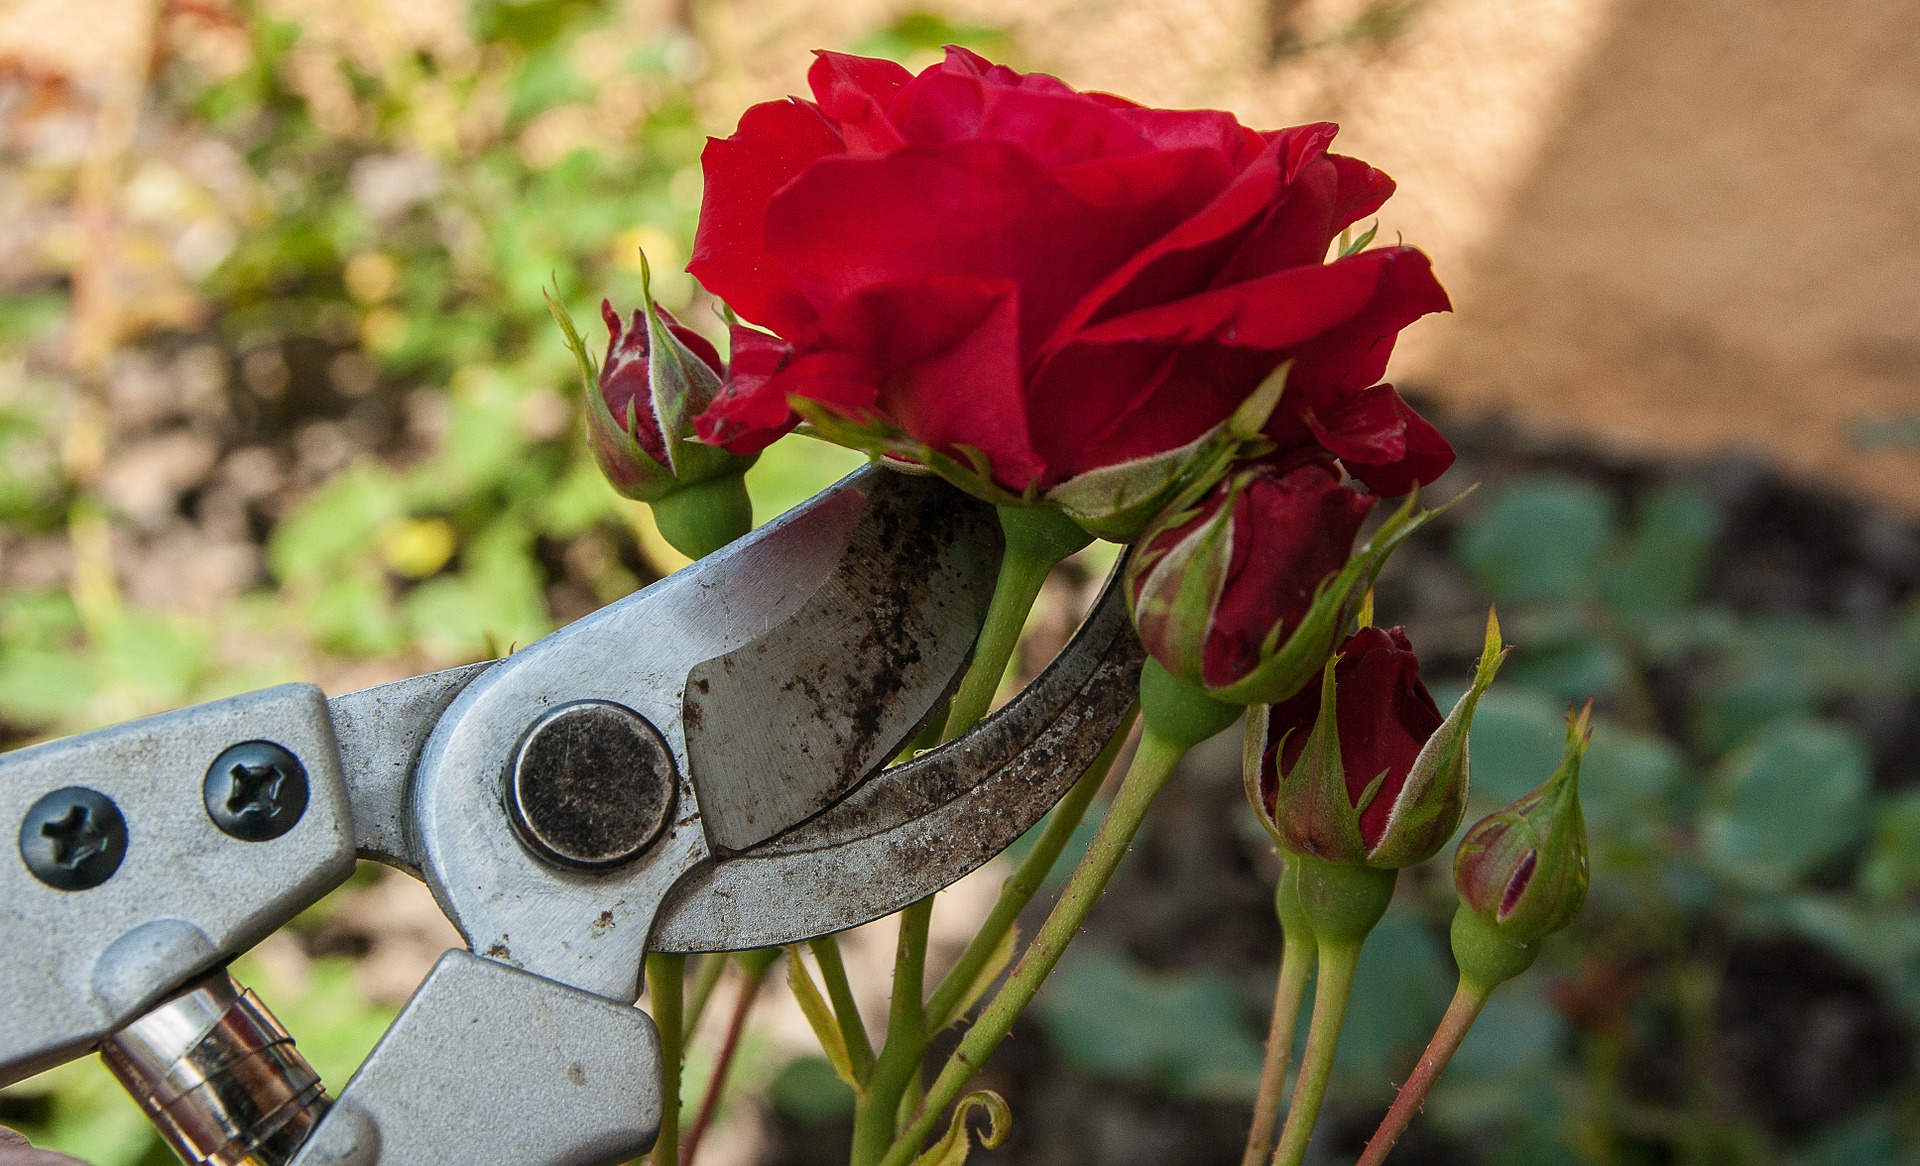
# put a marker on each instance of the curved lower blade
(918, 827)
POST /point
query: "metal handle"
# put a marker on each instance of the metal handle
(218, 1076)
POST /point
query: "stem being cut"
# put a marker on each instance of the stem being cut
(666, 979)
(899, 1060)
(1037, 539)
(1177, 717)
(1468, 999)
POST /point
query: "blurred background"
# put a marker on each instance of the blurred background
(279, 400)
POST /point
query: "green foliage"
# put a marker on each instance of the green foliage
(1186, 1033)
(809, 1093)
(1787, 801)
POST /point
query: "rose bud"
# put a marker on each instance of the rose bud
(1362, 769)
(1243, 591)
(1522, 872)
(640, 404)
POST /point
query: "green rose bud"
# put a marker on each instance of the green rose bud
(1522, 872)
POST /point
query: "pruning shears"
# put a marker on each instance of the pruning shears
(701, 766)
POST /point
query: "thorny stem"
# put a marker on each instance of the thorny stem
(1468, 1000)
(1020, 888)
(666, 978)
(752, 977)
(1334, 985)
(899, 1060)
(1296, 961)
(833, 971)
(1151, 767)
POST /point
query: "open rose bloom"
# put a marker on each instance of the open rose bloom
(1054, 297)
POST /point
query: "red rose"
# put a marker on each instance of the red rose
(1022, 285)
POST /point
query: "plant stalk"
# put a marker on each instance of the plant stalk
(1025, 882)
(666, 977)
(1152, 765)
(899, 1060)
(752, 977)
(1468, 1000)
(1296, 961)
(833, 972)
(1334, 985)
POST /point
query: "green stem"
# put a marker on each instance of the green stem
(1468, 999)
(833, 970)
(666, 976)
(1151, 767)
(1296, 962)
(707, 970)
(875, 1114)
(1337, 962)
(1019, 889)
(1036, 541)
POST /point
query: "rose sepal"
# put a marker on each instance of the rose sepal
(1119, 502)
(883, 441)
(1433, 799)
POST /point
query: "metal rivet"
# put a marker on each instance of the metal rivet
(256, 791)
(591, 785)
(73, 838)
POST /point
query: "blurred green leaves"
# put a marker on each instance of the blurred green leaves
(1788, 800)
(1186, 1033)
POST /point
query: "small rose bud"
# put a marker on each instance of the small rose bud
(1243, 592)
(640, 403)
(1523, 870)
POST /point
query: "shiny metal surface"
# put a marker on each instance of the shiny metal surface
(592, 785)
(488, 1066)
(218, 1076)
(589, 929)
(781, 727)
(919, 826)
(78, 965)
(380, 731)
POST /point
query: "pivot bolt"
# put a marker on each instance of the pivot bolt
(591, 785)
(256, 791)
(73, 839)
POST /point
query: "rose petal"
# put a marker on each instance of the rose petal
(774, 143)
(1398, 454)
(974, 208)
(1291, 531)
(855, 93)
(939, 357)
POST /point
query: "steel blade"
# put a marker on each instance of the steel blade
(920, 826)
(782, 727)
